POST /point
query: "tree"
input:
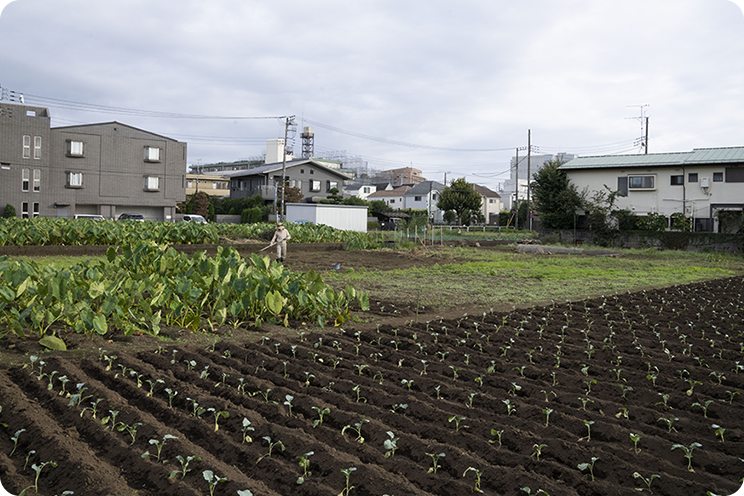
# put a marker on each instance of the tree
(460, 196)
(334, 198)
(555, 197)
(379, 206)
(9, 211)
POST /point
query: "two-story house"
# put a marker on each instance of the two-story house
(700, 184)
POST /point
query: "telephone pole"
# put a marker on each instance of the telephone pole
(288, 121)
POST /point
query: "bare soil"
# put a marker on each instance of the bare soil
(570, 372)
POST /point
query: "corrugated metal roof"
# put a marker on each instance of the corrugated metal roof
(697, 156)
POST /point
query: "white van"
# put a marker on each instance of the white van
(89, 216)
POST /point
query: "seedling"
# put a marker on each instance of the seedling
(308, 376)
(64, 380)
(664, 400)
(584, 401)
(357, 427)
(212, 480)
(347, 473)
(719, 431)
(703, 406)
(38, 468)
(669, 422)
(360, 368)
(304, 465)
(732, 395)
(688, 452)
(457, 421)
(588, 424)
(589, 383)
(131, 429)
(321, 412)
(264, 394)
(245, 429)
(78, 398)
(719, 376)
(476, 487)
(514, 389)
(197, 411)
(15, 440)
(455, 370)
(171, 394)
(152, 385)
(378, 375)
(692, 384)
(547, 394)
(509, 407)
(635, 438)
(538, 450)
(272, 444)
(547, 413)
(537, 493)
(398, 406)
(624, 389)
(435, 461)
(359, 398)
(112, 418)
(622, 412)
(28, 455)
(93, 408)
(390, 444)
(589, 466)
(184, 466)
(407, 383)
(159, 446)
(498, 434)
(652, 378)
(646, 481)
(217, 414)
(471, 397)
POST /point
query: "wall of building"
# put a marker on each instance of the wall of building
(344, 217)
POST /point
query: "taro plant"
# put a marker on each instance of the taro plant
(435, 461)
(588, 466)
(212, 480)
(478, 473)
(688, 452)
(304, 465)
(390, 444)
(646, 481)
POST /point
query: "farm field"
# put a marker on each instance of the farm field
(568, 398)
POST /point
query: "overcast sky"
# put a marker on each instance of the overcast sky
(443, 86)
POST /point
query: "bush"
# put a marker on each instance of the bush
(9, 211)
(251, 215)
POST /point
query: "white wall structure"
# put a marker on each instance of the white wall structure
(343, 217)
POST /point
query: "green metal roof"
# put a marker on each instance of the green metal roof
(698, 156)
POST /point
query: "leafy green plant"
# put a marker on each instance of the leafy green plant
(718, 430)
(478, 473)
(347, 473)
(184, 466)
(457, 420)
(646, 481)
(15, 440)
(588, 466)
(37, 468)
(509, 407)
(357, 427)
(321, 413)
(304, 461)
(635, 438)
(159, 446)
(130, 429)
(212, 480)
(272, 445)
(669, 422)
(588, 424)
(688, 452)
(547, 412)
(536, 493)
(538, 448)
(390, 444)
(435, 461)
(703, 406)
(498, 435)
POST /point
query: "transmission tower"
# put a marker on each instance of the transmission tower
(308, 142)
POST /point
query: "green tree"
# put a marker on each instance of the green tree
(554, 196)
(460, 196)
(355, 200)
(379, 206)
(9, 211)
(334, 198)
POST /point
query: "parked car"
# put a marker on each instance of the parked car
(194, 218)
(89, 216)
(138, 217)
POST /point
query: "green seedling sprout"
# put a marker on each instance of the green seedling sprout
(288, 403)
(93, 408)
(509, 407)
(357, 427)
(38, 468)
(152, 385)
(264, 394)
(664, 401)
(477, 486)
(622, 412)
(171, 394)
(64, 380)
(635, 438)
(538, 450)
(159, 446)
(305, 466)
(272, 444)
(197, 411)
(398, 406)
(537, 493)
(703, 406)
(718, 430)
(692, 384)
(647, 481)
(589, 466)
(378, 377)
(78, 398)
(308, 376)
(222, 382)
(360, 368)
(435, 461)
(321, 413)
(688, 453)
(246, 427)
(217, 414)
(457, 421)
(359, 398)
(212, 480)
(347, 473)
(184, 466)
(514, 389)
(439, 392)
(498, 434)
(471, 397)
(130, 429)
(584, 401)
(547, 394)
(732, 395)
(390, 444)
(547, 412)
(624, 389)
(112, 418)
(719, 376)
(28, 455)
(407, 383)
(669, 422)
(588, 424)
(588, 385)
(51, 375)
(15, 440)
(137, 376)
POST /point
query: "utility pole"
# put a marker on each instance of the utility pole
(288, 121)
(529, 159)
(516, 189)
(643, 139)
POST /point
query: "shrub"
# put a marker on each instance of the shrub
(9, 211)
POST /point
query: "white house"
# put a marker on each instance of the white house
(491, 203)
(701, 183)
(424, 196)
(361, 190)
(395, 198)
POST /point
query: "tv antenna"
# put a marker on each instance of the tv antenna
(642, 142)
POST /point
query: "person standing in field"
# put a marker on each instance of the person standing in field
(281, 236)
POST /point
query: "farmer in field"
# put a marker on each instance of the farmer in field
(281, 236)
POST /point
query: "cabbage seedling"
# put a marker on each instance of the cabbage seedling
(131, 429)
(704, 407)
(64, 380)
(159, 446)
(537, 493)
(272, 444)
(588, 424)
(390, 444)
(719, 430)
(589, 466)
(692, 385)
(359, 398)
(457, 421)
(184, 466)
(498, 434)
(669, 422)
(152, 385)
(635, 438)
(171, 394)
(38, 468)
(398, 406)
(247, 427)
(93, 408)
(477, 486)
(321, 413)
(197, 411)
(538, 450)
(28, 455)
(509, 407)
(647, 481)
(212, 480)
(688, 452)
(15, 440)
(304, 465)
(435, 461)
(347, 473)
(357, 427)
(288, 403)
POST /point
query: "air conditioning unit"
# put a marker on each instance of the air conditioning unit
(704, 182)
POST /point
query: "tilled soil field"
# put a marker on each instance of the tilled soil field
(647, 383)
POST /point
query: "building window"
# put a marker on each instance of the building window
(640, 182)
(189, 184)
(302, 171)
(392, 201)
(734, 175)
(692, 177)
(37, 179)
(152, 183)
(330, 185)
(25, 177)
(74, 179)
(366, 189)
(718, 177)
(622, 186)
(26, 146)
(152, 154)
(677, 180)
(37, 147)
(36, 209)
(24, 210)
(434, 197)
(314, 185)
(74, 148)
(417, 198)
(312, 171)
(491, 200)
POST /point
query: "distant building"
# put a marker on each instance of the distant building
(211, 184)
(519, 172)
(491, 204)
(106, 169)
(406, 175)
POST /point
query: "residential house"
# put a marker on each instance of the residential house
(701, 183)
(424, 196)
(360, 190)
(395, 198)
(211, 184)
(491, 204)
(105, 169)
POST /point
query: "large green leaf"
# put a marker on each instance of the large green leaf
(53, 343)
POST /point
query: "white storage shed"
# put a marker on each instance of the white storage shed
(344, 217)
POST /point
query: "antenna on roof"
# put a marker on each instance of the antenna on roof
(643, 140)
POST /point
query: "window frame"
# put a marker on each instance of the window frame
(330, 185)
(718, 177)
(644, 179)
(149, 154)
(37, 147)
(148, 183)
(26, 146)
(692, 177)
(70, 175)
(37, 180)
(24, 210)
(25, 179)
(315, 186)
(71, 148)
(677, 180)
(36, 210)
